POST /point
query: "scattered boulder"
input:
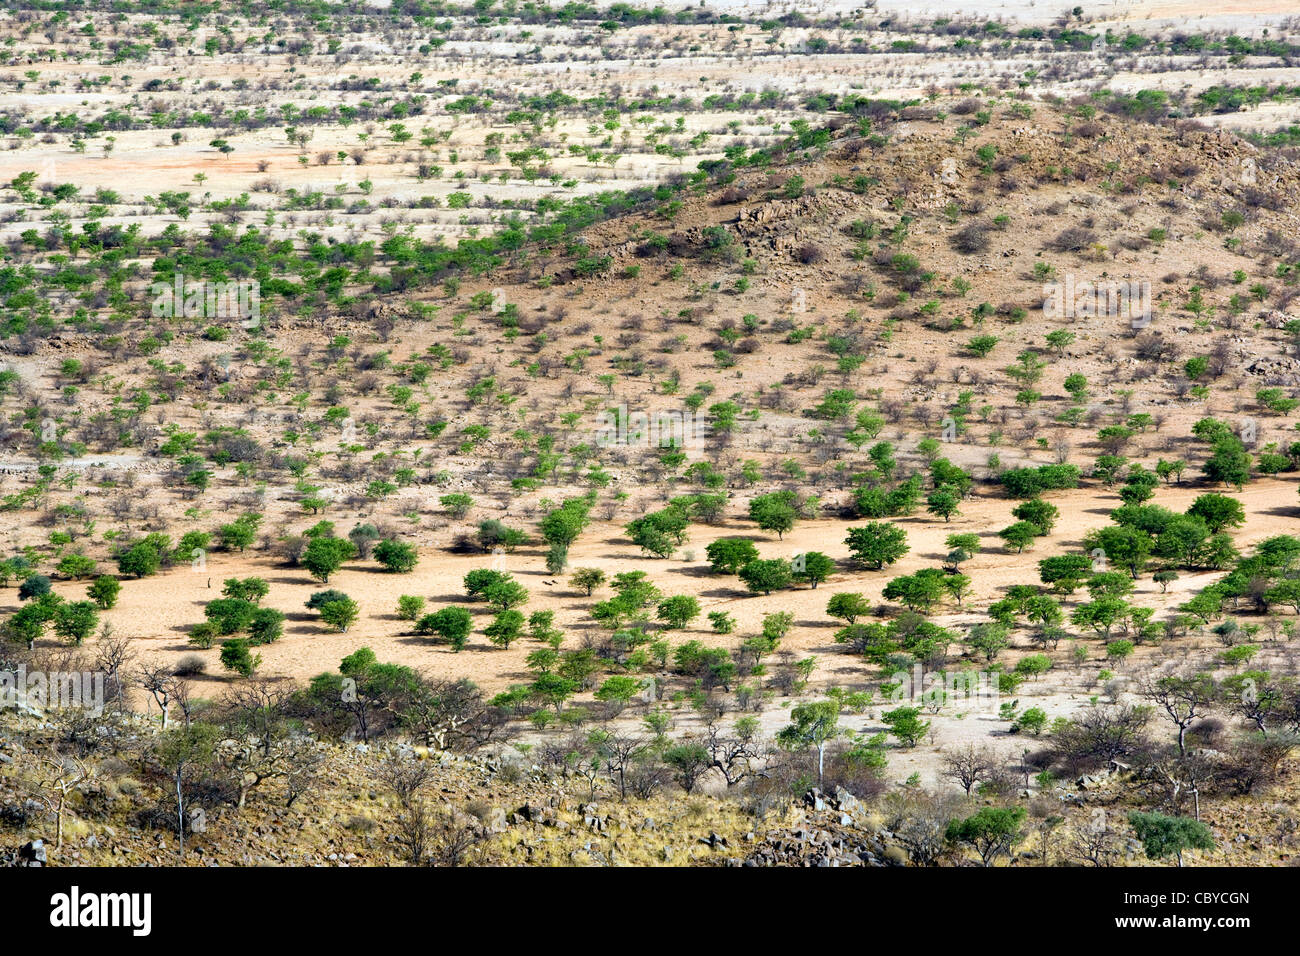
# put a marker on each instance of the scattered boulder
(32, 854)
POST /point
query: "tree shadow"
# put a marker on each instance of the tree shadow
(451, 599)
(1281, 512)
(725, 593)
(695, 571)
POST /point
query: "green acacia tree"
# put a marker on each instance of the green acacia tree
(28, 623)
(647, 534)
(722, 622)
(689, 759)
(76, 567)
(1101, 615)
(906, 724)
(505, 594)
(1042, 514)
(729, 555)
(74, 621)
(678, 611)
(140, 560)
(1064, 573)
(944, 503)
(1019, 535)
(396, 556)
(1128, 547)
(505, 628)
(480, 579)
(452, 624)
(587, 579)
(266, 626)
(1229, 463)
(812, 568)
(877, 543)
(774, 512)
(988, 639)
(410, 607)
(236, 656)
(1218, 511)
(239, 534)
(325, 555)
(340, 615)
(919, 591)
(562, 526)
(992, 832)
(230, 615)
(1163, 836)
(619, 690)
(104, 591)
(848, 606)
(961, 548)
(246, 589)
(814, 724)
(767, 575)
(457, 505)
(553, 690)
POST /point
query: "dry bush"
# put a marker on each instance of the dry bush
(1072, 239)
(971, 238)
(810, 254)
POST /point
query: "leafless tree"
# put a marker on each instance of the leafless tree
(414, 831)
(1185, 698)
(181, 695)
(161, 685)
(451, 715)
(1099, 734)
(1095, 842)
(736, 756)
(453, 838)
(405, 776)
(303, 771)
(920, 822)
(60, 776)
(969, 765)
(262, 744)
(113, 655)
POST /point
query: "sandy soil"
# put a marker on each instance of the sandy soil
(158, 611)
(634, 317)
